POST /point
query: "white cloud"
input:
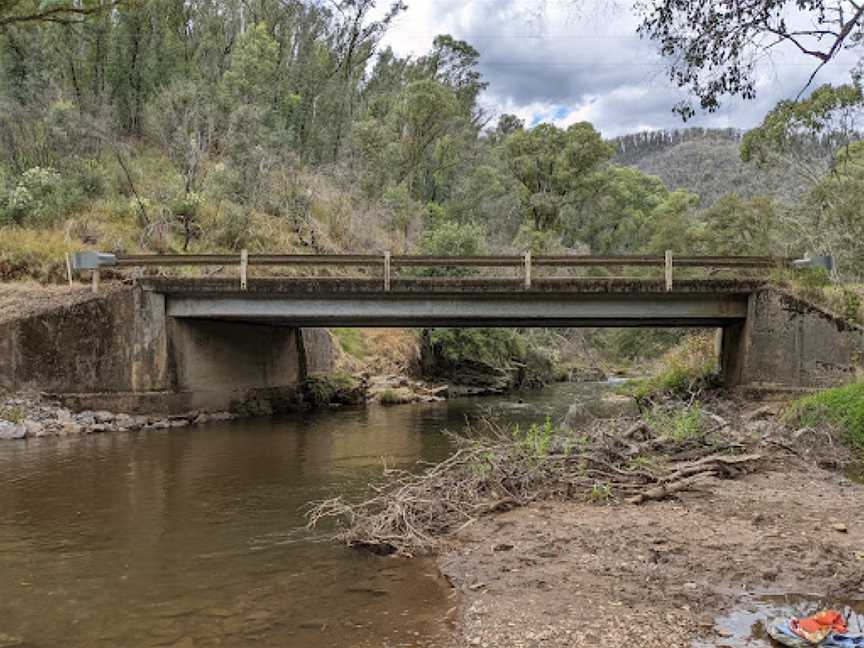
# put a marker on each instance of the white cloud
(565, 66)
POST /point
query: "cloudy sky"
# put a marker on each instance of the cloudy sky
(566, 65)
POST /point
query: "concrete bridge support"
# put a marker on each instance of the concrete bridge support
(786, 344)
(121, 352)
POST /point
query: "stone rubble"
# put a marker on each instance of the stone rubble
(402, 390)
(28, 418)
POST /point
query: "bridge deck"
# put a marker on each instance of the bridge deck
(458, 302)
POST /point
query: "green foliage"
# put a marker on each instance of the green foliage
(398, 396)
(535, 441)
(553, 166)
(325, 389)
(842, 300)
(682, 370)
(538, 242)
(678, 425)
(841, 408)
(39, 197)
(830, 217)
(13, 414)
(737, 227)
(495, 347)
(617, 216)
(792, 125)
(253, 72)
(673, 227)
(449, 238)
(600, 493)
(352, 342)
(637, 344)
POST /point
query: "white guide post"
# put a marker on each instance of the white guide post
(95, 277)
(387, 272)
(528, 269)
(244, 267)
(69, 269)
(668, 270)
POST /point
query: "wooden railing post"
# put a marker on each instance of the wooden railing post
(668, 270)
(244, 268)
(528, 270)
(387, 271)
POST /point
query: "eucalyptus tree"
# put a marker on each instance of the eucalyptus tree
(715, 49)
(554, 167)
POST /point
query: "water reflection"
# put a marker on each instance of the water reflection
(195, 537)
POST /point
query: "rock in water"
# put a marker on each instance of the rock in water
(12, 430)
(609, 406)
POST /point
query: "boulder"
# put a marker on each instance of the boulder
(12, 430)
(103, 417)
(87, 419)
(71, 429)
(124, 422)
(610, 406)
(34, 428)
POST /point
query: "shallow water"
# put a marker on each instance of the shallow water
(195, 537)
(745, 625)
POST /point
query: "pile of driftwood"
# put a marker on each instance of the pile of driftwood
(496, 469)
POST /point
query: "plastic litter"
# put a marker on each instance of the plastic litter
(826, 629)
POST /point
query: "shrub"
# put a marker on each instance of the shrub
(678, 425)
(684, 369)
(13, 414)
(844, 302)
(449, 238)
(535, 441)
(495, 347)
(325, 389)
(400, 396)
(841, 408)
(352, 342)
(43, 197)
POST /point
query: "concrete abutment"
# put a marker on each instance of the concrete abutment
(787, 344)
(121, 352)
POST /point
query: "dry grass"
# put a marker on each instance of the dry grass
(24, 299)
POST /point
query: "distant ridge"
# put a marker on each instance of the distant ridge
(705, 161)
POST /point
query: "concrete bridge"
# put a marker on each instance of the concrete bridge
(212, 343)
(436, 302)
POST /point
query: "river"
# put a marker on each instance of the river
(195, 537)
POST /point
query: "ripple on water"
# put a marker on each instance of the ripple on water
(744, 626)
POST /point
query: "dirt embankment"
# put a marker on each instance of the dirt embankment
(20, 300)
(574, 574)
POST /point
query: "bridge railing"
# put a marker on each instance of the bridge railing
(387, 263)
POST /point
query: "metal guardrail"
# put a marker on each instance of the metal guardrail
(94, 261)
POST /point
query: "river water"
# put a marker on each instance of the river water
(195, 537)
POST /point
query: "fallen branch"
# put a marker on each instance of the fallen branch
(493, 470)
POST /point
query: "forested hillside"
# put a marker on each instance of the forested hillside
(708, 162)
(284, 126)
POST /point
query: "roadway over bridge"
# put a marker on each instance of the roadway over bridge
(441, 302)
